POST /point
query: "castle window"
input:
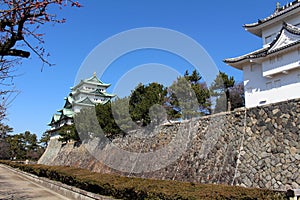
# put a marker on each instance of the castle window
(269, 85)
(263, 102)
(279, 58)
(277, 83)
(272, 60)
(250, 90)
(251, 68)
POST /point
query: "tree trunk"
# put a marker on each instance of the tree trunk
(228, 100)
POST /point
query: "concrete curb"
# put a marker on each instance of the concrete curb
(58, 187)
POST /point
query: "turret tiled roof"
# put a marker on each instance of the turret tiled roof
(66, 112)
(55, 118)
(278, 12)
(288, 36)
(85, 101)
(280, 15)
(69, 101)
(92, 80)
(102, 94)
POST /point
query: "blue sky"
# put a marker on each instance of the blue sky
(216, 25)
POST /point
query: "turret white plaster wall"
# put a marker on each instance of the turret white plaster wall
(261, 90)
(276, 27)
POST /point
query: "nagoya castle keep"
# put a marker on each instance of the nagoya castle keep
(272, 73)
(87, 93)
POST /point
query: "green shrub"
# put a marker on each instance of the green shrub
(138, 188)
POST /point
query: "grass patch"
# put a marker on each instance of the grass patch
(138, 188)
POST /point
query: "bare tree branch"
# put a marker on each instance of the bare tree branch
(37, 53)
(15, 52)
(19, 21)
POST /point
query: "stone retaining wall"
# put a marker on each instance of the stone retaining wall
(257, 147)
(270, 156)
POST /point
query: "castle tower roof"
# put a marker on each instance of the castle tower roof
(93, 80)
(102, 94)
(288, 37)
(55, 119)
(279, 15)
(86, 101)
(89, 92)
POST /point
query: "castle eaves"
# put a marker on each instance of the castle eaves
(279, 14)
(289, 36)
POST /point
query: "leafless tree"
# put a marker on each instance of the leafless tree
(20, 22)
(20, 19)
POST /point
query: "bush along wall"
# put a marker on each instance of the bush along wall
(138, 188)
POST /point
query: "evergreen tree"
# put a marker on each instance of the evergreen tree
(17, 146)
(194, 78)
(237, 96)
(4, 130)
(107, 121)
(229, 94)
(68, 133)
(120, 110)
(221, 86)
(24, 146)
(189, 88)
(5, 152)
(45, 139)
(143, 98)
(183, 98)
(30, 141)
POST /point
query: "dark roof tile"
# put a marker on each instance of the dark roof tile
(268, 50)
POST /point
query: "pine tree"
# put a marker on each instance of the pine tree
(143, 98)
(221, 86)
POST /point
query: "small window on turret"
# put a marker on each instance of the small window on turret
(277, 83)
(249, 89)
(279, 58)
(272, 60)
(269, 85)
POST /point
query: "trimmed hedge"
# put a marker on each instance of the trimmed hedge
(138, 188)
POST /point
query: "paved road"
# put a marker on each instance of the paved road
(13, 186)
